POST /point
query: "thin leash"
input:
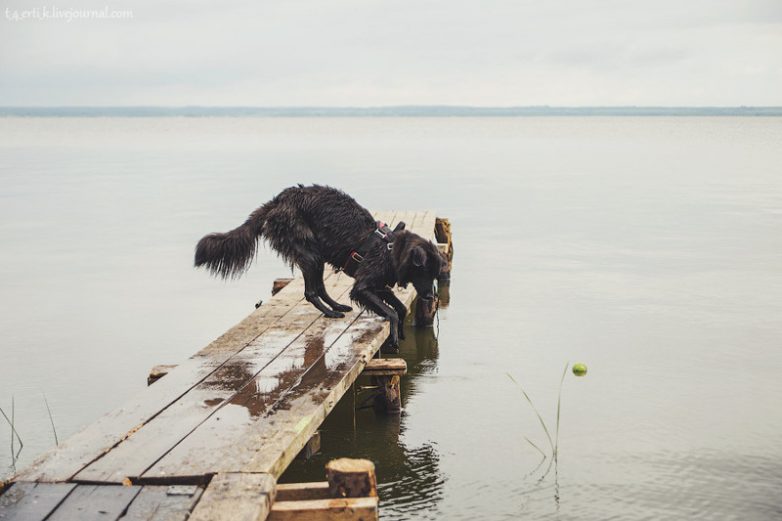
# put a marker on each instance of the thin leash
(437, 317)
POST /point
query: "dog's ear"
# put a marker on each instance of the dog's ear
(400, 226)
(419, 257)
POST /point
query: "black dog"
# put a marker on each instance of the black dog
(313, 225)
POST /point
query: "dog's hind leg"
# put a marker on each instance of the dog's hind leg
(367, 298)
(336, 306)
(312, 282)
(390, 298)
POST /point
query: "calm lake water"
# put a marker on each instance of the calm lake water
(648, 248)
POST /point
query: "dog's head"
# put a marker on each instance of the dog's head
(418, 261)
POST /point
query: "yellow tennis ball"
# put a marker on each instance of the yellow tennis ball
(579, 369)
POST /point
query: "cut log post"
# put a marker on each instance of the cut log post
(311, 448)
(278, 284)
(351, 478)
(425, 311)
(386, 374)
(443, 296)
(158, 372)
(442, 232)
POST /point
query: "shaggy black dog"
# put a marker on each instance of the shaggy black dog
(310, 226)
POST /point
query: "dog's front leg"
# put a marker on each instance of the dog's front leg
(367, 298)
(388, 296)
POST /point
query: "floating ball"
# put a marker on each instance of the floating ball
(579, 369)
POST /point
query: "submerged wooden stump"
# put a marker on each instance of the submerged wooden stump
(386, 374)
(349, 477)
(425, 311)
(442, 232)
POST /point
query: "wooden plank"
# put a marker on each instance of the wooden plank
(26, 501)
(428, 225)
(263, 360)
(346, 509)
(386, 366)
(302, 491)
(95, 503)
(62, 463)
(218, 438)
(163, 503)
(236, 497)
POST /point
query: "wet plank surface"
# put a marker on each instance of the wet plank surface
(95, 503)
(32, 501)
(163, 504)
(240, 409)
(236, 497)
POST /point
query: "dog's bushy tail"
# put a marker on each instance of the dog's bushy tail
(230, 254)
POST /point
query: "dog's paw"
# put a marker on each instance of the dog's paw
(334, 314)
(388, 349)
(343, 307)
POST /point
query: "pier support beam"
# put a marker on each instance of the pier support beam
(311, 448)
(386, 374)
(425, 311)
(442, 232)
(350, 494)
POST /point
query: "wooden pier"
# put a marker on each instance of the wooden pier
(209, 439)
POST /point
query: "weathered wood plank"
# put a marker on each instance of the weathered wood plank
(302, 491)
(346, 509)
(236, 497)
(32, 501)
(163, 503)
(264, 359)
(95, 503)
(386, 366)
(218, 437)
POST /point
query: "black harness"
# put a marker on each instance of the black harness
(382, 236)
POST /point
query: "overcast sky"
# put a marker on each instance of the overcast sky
(398, 52)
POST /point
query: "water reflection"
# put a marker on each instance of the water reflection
(410, 480)
(303, 363)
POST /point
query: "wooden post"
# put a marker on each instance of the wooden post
(278, 284)
(442, 232)
(351, 478)
(425, 310)
(386, 374)
(158, 372)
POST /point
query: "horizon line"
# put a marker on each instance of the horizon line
(385, 110)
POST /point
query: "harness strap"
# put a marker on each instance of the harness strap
(381, 233)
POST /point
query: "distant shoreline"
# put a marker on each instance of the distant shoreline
(394, 111)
